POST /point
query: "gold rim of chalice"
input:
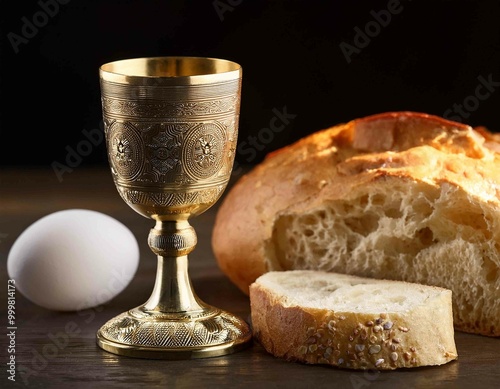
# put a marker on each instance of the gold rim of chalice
(170, 71)
(171, 127)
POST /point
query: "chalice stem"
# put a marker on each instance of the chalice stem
(173, 292)
(172, 240)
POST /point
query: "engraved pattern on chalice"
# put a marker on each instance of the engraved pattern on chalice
(125, 145)
(166, 151)
(205, 156)
(205, 148)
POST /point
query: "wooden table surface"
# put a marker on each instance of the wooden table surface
(29, 194)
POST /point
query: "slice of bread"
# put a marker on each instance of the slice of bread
(352, 322)
(403, 196)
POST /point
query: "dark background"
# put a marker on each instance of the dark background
(427, 58)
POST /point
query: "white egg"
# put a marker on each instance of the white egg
(73, 259)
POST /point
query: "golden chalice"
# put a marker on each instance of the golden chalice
(171, 126)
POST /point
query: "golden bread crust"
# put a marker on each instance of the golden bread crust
(340, 161)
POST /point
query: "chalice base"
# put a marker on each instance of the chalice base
(210, 332)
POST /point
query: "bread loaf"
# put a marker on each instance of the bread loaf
(352, 322)
(402, 196)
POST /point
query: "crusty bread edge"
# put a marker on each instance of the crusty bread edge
(422, 337)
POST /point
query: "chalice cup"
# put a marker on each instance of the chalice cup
(171, 126)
